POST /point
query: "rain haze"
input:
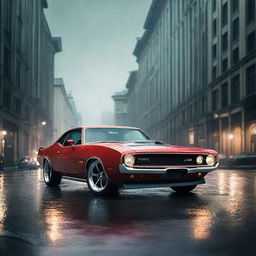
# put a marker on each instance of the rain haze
(98, 38)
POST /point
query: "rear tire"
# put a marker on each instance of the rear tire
(183, 189)
(98, 181)
(51, 178)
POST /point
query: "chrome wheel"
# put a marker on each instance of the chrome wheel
(47, 172)
(97, 178)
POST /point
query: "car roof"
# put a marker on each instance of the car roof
(103, 126)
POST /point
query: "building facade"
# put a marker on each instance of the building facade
(65, 115)
(121, 114)
(195, 83)
(27, 51)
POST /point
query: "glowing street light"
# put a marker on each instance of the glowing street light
(43, 123)
(231, 136)
(4, 133)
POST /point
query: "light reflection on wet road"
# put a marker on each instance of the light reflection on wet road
(217, 219)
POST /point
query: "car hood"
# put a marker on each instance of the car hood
(155, 148)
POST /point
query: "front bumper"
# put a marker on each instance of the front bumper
(127, 170)
(169, 176)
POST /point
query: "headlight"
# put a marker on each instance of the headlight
(210, 160)
(199, 160)
(129, 160)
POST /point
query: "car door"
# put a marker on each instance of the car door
(68, 157)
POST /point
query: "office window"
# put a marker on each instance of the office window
(225, 42)
(224, 95)
(251, 42)
(18, 74)
(214, 51)
(213, 5)
(214, 72)
(7, 63)
(235, 29)
(7, 100)
(8, 15)
(235, 55)
(27, 114)
(250, 11)
(203, 104)
(19, 31)
(17, 105)
(250, 79)
(215, 100)
(224, 65)
(214, 27)
(235, 5)
(225, 14)
(235, 89)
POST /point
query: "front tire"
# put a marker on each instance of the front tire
(183, 189)
(98, 181)
(51, 178)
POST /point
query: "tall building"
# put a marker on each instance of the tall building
(27, 51)
(120, 101)
(65, 115)
(196, 77)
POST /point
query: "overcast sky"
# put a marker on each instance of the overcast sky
(98, 37)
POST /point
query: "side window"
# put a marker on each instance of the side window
(62, 139)
(73, 135)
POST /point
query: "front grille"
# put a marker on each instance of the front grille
(167, 160)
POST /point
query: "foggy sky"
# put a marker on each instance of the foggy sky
(98, 37)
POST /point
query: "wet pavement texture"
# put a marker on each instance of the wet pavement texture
(218, 218)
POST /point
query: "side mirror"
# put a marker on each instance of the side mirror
(70, 142)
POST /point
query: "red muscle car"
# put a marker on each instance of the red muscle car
(111, 157)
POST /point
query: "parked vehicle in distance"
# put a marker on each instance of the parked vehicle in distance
(27, 163)
(112, 157)
(242, 160)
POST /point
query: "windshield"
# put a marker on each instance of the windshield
(114, 135)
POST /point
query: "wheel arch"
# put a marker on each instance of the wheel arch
(47, 159)
(90, 160)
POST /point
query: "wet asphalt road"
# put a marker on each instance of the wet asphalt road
(218, 218)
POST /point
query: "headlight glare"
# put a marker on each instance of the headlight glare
(199, 160)
(129, 160)
(210, 160)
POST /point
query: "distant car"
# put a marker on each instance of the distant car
(27, 163)
(243, 159)
(110, 157)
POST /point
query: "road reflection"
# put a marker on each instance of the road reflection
(233, 186)
(54, 221)
(3, 208)
(131, 217)
(201, 223)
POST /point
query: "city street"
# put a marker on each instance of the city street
(216, 219)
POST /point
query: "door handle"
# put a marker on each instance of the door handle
(58, 152)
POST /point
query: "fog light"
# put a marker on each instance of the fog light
(210, 160)
(129, 160)
(199, 160)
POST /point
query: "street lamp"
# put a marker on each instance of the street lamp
(43, 123)
(4, 133)
(231, 136)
